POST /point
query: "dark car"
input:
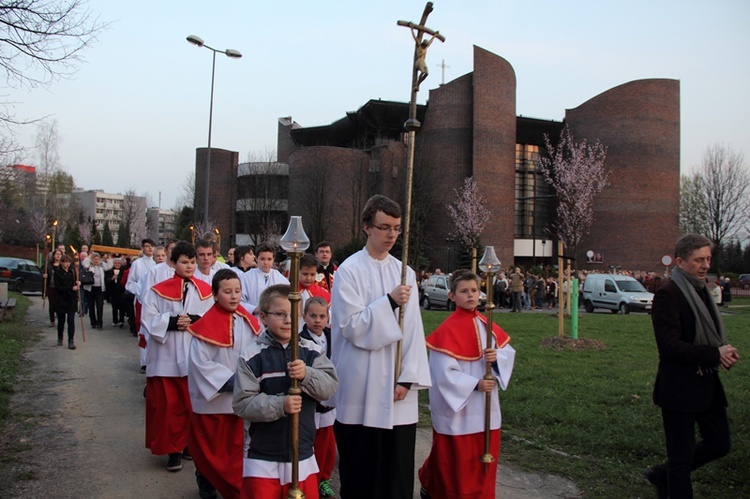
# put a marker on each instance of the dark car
(744, 281)
(435, 293)
(20, 274)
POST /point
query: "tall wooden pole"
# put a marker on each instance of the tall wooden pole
(412, 125)
(80, 303)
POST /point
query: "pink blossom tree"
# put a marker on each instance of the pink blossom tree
(84, 229)
(577, 172)
(469, 215)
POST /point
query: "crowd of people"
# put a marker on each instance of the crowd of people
(222, 383)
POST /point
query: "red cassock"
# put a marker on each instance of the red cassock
(216, 440)
(169, 413)
(453, 470)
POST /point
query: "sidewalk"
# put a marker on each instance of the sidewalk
(77, 427)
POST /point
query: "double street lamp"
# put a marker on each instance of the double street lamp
(235, 54)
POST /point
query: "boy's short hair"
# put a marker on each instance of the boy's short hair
(182, 248)
(379, 203)
(271, 293)
(323, 244)
(307, 261)
(463, 275)
(203, 243)
(265, 248)
(223, 275)
(160, 248)
(147, 241)
(65, 258)
(315, 300)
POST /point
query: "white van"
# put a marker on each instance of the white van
(618, 293)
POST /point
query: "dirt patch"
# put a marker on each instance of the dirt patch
(568, 343)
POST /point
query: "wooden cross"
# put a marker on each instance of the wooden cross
(421, 45)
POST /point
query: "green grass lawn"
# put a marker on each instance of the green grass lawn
(588, 415)
(15, 335)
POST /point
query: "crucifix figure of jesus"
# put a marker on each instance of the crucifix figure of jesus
(421, 45)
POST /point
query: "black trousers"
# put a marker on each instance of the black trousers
(96, 305)
(376, 463)
(70, 317)
(685, 455)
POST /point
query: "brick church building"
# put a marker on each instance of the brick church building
(470, 128)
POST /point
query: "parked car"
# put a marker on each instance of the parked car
(618, 293)
(20, 274)
(744, 281)
(435, 293)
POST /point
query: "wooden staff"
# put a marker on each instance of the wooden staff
(80, 302)
(46, 273)
(412, 125)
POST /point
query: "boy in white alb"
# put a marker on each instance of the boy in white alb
(169, 308)
(376, 410)
(217, 434)
(254, 281)
(315, 329)
(458, 362)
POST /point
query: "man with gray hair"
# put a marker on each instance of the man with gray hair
(693, 349)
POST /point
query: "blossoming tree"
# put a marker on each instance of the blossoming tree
(469, 215)
(577, 172)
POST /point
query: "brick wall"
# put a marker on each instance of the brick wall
(637, 214)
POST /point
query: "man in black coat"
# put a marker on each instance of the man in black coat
(692, 349)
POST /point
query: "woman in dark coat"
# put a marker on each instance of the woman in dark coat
(726, 292)
(49, 273)
(66, 300)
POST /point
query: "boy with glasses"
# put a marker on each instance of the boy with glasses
(261, 384)
(376, 409)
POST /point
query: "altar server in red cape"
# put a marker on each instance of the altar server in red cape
(458, 360)
(308, 288)
(169, 307)
(217, 434)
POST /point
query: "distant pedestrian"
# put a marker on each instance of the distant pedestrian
(726, 292)
(66, 300)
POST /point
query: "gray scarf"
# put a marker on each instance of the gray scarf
(707, 332)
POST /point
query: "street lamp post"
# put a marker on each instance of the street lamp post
(235, 54)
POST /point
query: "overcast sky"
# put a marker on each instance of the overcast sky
(137, 109)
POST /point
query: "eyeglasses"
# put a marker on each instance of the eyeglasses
(279, 315)
(388, 228)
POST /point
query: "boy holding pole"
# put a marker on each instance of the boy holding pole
(458, 362)
(263, 378)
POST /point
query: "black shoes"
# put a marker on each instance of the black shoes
(174, 463)
(205, 489)
(186, 454)
(658, 478)
(71, 345)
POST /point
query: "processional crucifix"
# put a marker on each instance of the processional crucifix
(419, 74)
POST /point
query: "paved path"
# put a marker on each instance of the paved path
(78, 418)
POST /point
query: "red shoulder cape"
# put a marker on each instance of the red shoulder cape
(459, 337)
(316, 290)
(171, 289)
(217, 327)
